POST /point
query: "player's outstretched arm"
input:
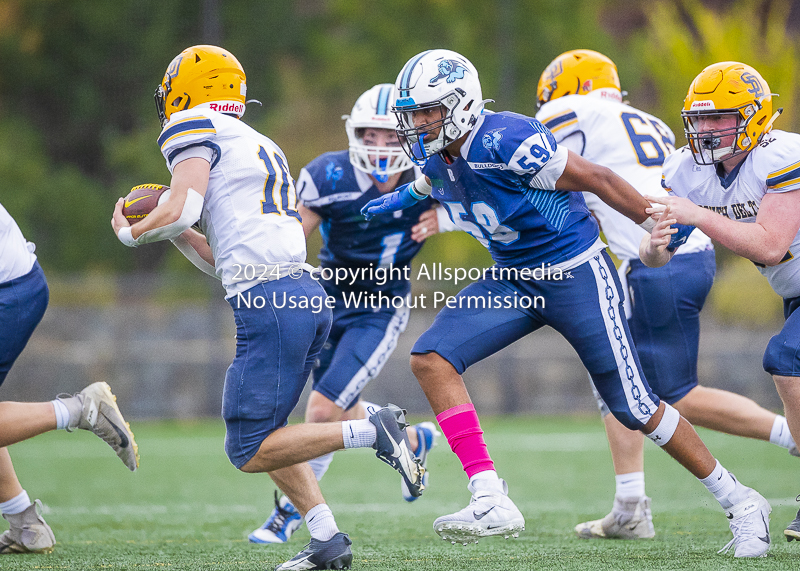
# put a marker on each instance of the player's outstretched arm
(766, 241)
(580, 175)
(405, 196)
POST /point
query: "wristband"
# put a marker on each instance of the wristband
(126, 237)
(648, 225)
(421, 187)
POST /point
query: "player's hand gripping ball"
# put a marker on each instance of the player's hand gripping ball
(142, 200)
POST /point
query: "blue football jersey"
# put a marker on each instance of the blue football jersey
(333, 189)
(501, 191)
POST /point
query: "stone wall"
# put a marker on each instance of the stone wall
(169, 361)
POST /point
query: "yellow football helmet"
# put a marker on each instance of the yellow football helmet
(202, 76)
(578, 72)
(729, 89)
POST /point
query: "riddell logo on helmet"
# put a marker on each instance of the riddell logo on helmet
(228, 107)
(702, 105)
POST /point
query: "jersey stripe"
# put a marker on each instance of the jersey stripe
(784, 170)
(787, 183)
(189, 126)
(561, 120)
(784, 177)
(191, 132)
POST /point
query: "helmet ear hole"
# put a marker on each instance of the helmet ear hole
(177, 102)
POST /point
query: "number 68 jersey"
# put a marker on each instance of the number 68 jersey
(250, 216)
(772, 166)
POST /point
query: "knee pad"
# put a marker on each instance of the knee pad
(666, 428)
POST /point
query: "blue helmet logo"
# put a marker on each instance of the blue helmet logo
(755, 85)
(449, 69)
(491, 139)
(333, 172)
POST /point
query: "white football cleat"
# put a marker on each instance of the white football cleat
(29, 532)
(95, 409)
(619, 524)
(490, 512)
(749, 522)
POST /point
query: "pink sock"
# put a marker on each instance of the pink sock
(462, 429)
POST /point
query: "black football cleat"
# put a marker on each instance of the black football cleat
(393, 447)
(332, 554)
(792, 531)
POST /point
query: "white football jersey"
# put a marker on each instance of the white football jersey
(250, 216)
(631, 143)
(16, 254)
(772, 166)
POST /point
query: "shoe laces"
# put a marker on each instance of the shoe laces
(277, 522)
(743, 528)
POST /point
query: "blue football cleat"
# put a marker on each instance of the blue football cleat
(282, 523)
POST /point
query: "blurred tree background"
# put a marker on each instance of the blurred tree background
(78, 123)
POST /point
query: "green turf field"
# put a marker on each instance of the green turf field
(188, 508)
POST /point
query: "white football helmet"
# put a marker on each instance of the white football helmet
(373, 110)
(436, 79)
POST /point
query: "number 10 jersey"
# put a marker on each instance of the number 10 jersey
(250, 216)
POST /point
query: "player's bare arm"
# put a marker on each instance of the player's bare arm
(199, 243)
(766, 241)
(583, 175)
(653, 250)
(311, 220)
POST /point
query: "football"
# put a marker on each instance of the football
(142, 199)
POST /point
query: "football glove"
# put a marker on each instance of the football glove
(400, 199)
(680, 237)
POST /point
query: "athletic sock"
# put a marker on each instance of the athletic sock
(62, 414)
(462, 429)
(484, 479)
(17, 504)
(320, 465)
(630, 485)
(780, 433)
(358, 433)
(320, 522)
(724, 486)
